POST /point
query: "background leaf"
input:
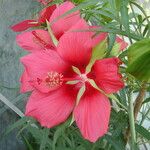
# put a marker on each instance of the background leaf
(139, 60)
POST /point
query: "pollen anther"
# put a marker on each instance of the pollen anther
(54, 79)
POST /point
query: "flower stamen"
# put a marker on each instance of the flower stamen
(53, 79)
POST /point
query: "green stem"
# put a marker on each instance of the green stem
(131, 121)
(136, 29)
(55, 41)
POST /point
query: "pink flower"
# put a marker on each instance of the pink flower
(38, 40)
(53, 100)
(122, 43)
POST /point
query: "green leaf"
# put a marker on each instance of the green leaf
(117, 144)
(44, 139)
(80, 6)
(116, 50)
(60, 130)
(17, 124)
(139, 60)
(111, 42)
(124, 15)
(147, 100)
(28, 145)
(141, 130)
(98, 52)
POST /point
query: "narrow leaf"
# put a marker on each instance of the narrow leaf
(17, 124)
(144, 132)
(147, 100)
(44, 139)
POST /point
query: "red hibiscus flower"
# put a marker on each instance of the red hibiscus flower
(39, 39)
(47, 74)
(122, 43)
(26, 24)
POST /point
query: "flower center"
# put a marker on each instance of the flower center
(83, 77)
(53, 79)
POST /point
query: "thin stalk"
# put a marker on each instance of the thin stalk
(131, 121)
(55, 41)
(11, 105)
(136, 29)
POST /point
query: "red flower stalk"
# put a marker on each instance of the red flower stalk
(47, 74)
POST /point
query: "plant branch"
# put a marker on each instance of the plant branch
(139, 100)
(131, 120)
(137, 107)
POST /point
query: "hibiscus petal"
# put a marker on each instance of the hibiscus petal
(46, 13)
(107, 75)
(96, 38)
(33, 41)
(92, 115)
(122, 43)
(73, 47)
(76, 46)
(40, 64)
(65, 23)
(24, 25)
(25, 84)
(51, 109)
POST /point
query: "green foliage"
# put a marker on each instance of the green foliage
(144, 132)
(98, 52)
(117, 17)
(139, 60)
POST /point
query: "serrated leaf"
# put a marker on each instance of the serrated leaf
(98, 52)
(139, 60)
(144, 132)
